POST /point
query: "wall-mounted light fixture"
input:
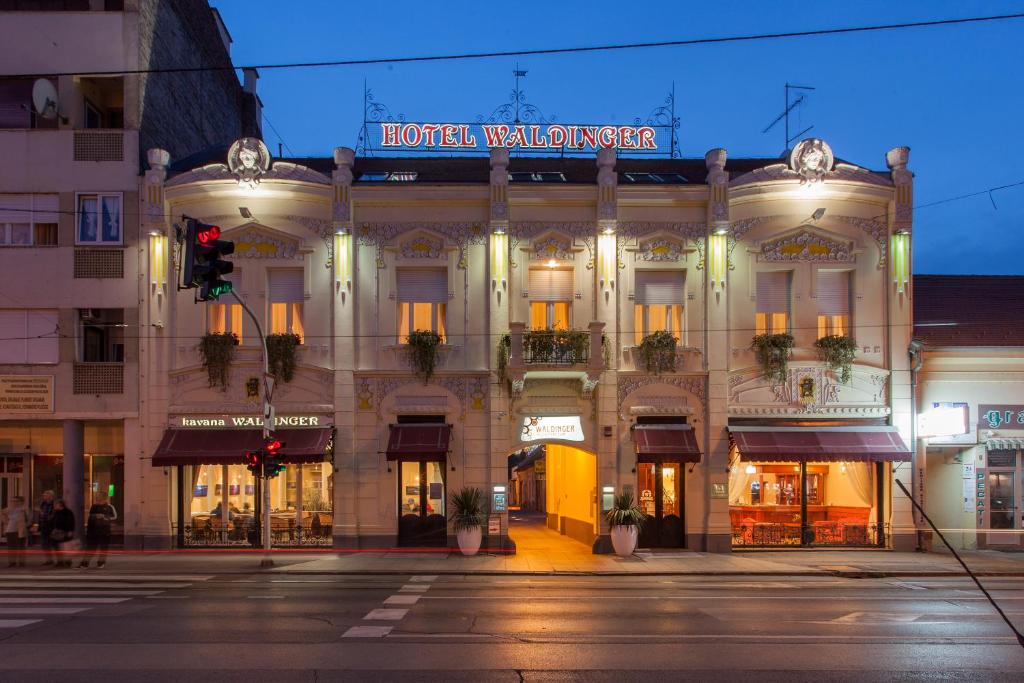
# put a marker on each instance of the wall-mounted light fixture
(343, 257)
(499, 257)
(751, 469)
(718, 258)
(607, 256)
(158, 260)
(901, 260)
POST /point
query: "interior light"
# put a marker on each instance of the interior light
(842, 468)
(552, 263)
(751, 469)
(796, 468)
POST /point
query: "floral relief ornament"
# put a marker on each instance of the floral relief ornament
(812, 159)
(421, 247)
(248, 159)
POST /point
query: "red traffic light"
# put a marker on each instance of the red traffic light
(272, 445)
(252, 458)
(208, 234)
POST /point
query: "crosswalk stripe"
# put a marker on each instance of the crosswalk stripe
(69, 600)
(43, 610)
(17, 623)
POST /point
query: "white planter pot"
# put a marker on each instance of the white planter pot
(469, 540)
(624, 540)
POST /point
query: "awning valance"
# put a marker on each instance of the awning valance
(228, 446)
(1005, 444)
(419, 442)
(818, 444)
(665, 443)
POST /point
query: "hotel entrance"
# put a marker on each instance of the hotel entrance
(418, 449)
(664, 447)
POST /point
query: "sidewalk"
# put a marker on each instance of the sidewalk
(847, 563)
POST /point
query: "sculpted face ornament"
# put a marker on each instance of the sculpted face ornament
(812, 159)
(248, 159)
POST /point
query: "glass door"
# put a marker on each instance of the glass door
(1002, 507)
(421, 504)
(659, 486)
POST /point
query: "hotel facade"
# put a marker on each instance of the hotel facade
(547, 281)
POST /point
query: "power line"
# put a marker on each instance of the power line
(279, 136)
(557, 50)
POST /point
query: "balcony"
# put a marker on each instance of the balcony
(554, 354)
(98, 378)
(37, 160)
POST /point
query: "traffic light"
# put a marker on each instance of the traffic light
(203, 262)
(252, 462)
(272, 465)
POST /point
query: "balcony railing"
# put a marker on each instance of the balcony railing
(243, 532)
(558, 347)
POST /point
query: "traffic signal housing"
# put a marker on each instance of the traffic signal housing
(203, 263)
(272, 465)
(252, 462)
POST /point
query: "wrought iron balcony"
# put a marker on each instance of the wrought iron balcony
(546, 353)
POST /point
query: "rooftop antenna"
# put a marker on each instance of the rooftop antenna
(791, 104)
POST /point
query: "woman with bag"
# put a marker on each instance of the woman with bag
(63, 532)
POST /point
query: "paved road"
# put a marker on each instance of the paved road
(88, 625)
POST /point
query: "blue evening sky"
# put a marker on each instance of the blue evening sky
(953, 94)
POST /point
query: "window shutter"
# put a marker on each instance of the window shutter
(549, 284)
(16, 208)
(45, 208)
(833, 292)
(286, 286)
(658, 287)
(773, 292)
(42, 324)
(12, 334)
(423, 285)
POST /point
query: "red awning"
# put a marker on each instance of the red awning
(809, 444)
(665, 443)
(419, 442)
(228, 446)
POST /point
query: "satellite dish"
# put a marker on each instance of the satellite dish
(44, 98)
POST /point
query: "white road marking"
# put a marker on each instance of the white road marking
(265, 597)
(386, 615)
(413, 589)
(17, 623)
(426, 577)
(43, 610)
(167, 597)
(367, 632)
(71, 600)
(402, 600)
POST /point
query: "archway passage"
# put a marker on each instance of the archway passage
(552, 509)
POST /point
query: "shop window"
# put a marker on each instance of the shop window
(773, 297)
(28, 220)
(551, 296)
(422, 301)
(286, 302)
(28, 336)
(101, 335)
(658, 303)
(833, 294)
(99, 219)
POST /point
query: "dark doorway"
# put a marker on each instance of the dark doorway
(660, 495)
(421, 504)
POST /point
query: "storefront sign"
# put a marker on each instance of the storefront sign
(719, 490)
(247, 421)
(517, 136)
(564, 428)
(26, 393)
(1000, 416)
(967, 475)
(943, 420)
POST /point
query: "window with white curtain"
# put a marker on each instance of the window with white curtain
(28, 220)
(28, 335)
(833, 293)
(773, 296)
(99, 219)
(422, 295)
(551, 295)
(286, 296)
(658, 303)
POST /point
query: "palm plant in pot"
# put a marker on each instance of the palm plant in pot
(468, 517)
(625, 519)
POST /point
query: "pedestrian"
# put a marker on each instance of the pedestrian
(97, 533)
(15, 522)
(44, 526)
(63, 532)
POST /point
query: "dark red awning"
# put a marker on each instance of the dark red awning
(419, 442)
(809, 444)
(665, 443)
(228, 446)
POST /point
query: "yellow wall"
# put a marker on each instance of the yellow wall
(571, 481)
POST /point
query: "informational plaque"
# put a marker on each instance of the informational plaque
(26, 393)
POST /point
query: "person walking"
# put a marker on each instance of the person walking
(44, 526)
(15, 522)
(97, 533)
(63, 532)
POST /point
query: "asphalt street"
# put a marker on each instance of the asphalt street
(89, 625)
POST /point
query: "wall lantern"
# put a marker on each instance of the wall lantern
(343, 258)
(607, 257)
(158, 260)
(718, 259)
(499, 258)
(901, 260)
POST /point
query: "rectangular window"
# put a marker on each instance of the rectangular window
(658, 303)
(833, 291)
(224, 318)
(422, 301)
(101, 331)
(28, 336)
(99, 219)
(28, 220)
(551, 295)
(16, 107)
(286, 298)
(772, 303)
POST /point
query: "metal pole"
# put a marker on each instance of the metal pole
(267, 561)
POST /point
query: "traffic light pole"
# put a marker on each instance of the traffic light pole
(267, 428)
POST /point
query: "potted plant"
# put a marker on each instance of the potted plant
(838, 351)
(658, 351)
(281, 352)
(772, 352)
(423, 345)
(468, 517)
(625, 519)
(218, 350)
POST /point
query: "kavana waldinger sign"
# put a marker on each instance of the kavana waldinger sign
(517, 136)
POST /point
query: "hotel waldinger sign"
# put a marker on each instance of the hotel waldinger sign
(520, 127)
